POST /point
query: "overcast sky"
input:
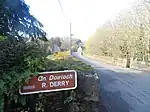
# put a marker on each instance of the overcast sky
(85, 15)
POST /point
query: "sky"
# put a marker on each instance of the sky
(85, 15)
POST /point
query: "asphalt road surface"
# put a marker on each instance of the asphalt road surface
(122, 89)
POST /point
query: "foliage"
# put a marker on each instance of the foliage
(23, 53)
(57, 41)
(20, 53)
(24, 59)
(61, 55)
(64, 43)
(45, 47)
(66, 64)
(60, 64)
(76, 43)
(17, 61)
(128, 36)
(17, 22)
(2, 38)
(74, 48)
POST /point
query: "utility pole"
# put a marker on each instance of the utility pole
(70, 36)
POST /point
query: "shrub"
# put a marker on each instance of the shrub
(61, 55)
(17, 61)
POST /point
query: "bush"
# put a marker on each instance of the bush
(17, 61)
(83, 70)
(74, 48)
(59, 55)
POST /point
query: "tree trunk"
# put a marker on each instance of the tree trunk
(5, 103)
(128, 60)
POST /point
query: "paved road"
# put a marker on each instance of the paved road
(122, 89)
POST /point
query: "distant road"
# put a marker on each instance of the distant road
(122, 89)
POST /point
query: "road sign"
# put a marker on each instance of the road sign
(50, 81)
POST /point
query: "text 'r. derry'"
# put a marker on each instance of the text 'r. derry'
(55, 84)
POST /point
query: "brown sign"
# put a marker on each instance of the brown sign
(50, 81)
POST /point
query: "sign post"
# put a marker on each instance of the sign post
(50, 81)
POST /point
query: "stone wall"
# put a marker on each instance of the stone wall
(85, 98)
(121, 62)
(87, 94)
